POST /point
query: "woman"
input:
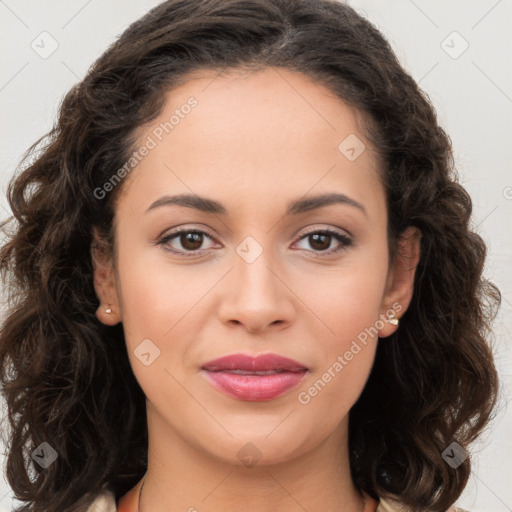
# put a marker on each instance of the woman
(242, 275)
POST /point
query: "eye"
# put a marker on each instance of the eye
(320, 241)
(190, 241)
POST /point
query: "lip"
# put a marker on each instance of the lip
(260, 378)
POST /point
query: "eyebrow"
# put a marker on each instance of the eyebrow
(207, 205)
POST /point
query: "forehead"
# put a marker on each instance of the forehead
(254, 131)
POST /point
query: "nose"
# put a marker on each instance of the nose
(256, 295)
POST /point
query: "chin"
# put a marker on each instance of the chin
(259, 448)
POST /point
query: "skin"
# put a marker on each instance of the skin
(255, 142)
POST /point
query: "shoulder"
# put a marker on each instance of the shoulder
(387, 505)
(104, 502)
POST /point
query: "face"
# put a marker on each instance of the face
(253, 262)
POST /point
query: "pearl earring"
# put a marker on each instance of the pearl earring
(392, 320)
(108, 310)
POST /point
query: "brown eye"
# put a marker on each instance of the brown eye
(188, 241)
(321, 240)
(191, 241)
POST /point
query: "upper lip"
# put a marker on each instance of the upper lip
(261, 363)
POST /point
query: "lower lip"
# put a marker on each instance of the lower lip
(254, 388)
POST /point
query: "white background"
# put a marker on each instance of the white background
(472, 95)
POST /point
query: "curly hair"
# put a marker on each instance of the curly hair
(66, 377)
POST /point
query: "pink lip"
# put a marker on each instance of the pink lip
(240, 376)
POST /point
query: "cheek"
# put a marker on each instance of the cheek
(157, 301)
(348, 303)
(347, 355)
(345, 299)
(155, 294)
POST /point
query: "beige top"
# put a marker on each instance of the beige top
(105, 502)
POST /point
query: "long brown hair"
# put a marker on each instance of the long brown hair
(66, 377)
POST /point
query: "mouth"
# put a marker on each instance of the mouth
(260, 378)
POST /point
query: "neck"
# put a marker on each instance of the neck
(183, 477)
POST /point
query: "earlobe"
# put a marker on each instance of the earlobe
(108, 311)
(106, 315)
(400, 284)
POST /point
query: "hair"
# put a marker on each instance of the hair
(66, 377)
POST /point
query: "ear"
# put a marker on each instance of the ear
(108, 311)
(400, 283)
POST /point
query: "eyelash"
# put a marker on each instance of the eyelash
(343, 239)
